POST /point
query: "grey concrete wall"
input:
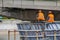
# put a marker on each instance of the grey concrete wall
(0, 3)
(31, 4)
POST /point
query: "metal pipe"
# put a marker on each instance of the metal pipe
(8, 35)
(37, 35)
(43, 35)
(26, 35)
(14, 34)
(54, 35)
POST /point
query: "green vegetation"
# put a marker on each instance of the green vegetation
(5, 18)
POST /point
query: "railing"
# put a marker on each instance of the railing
(36, 34)
(33, 34)
(32, 37)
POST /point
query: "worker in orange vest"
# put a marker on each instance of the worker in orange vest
(40, 16)
(41, 19)
(50, 17)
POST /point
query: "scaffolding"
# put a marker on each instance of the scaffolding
(34, 32)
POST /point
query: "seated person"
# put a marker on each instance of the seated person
(50, 17)
(40, 16)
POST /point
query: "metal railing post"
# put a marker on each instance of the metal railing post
(54, 35)
(25, 35)
(14, 34)
(37, 35)
(43, 35)
(8, 35)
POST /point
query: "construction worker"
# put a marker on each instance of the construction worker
(40, 16)
(50, 17)
(41, 19)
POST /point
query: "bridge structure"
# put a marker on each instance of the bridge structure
(34, 31)
(31, 4)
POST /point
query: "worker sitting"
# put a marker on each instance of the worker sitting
(40, 16)
(41, 19)
(50, 17)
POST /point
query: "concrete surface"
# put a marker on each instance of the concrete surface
(31, 4)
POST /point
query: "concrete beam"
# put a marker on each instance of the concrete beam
(51, 5)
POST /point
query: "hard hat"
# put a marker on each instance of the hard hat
(50, 12)
(40, 11)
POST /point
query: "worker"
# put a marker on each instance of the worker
(40, 16)
(41, 19)
(50, 17)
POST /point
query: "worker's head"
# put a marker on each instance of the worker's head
(50, 12)
(40, 11)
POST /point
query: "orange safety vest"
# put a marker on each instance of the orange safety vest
(51, 18)
(40, 16)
